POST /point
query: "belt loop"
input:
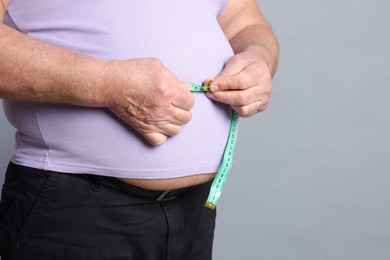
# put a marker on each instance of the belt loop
(163, 195)
(96, 183)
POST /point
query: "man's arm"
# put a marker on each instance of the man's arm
(245, 83)
(246, 29)
(32, 70)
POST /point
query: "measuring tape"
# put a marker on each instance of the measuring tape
(227, 161)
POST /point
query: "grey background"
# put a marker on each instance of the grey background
(311, 176)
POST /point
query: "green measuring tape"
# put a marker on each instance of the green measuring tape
(227, 161)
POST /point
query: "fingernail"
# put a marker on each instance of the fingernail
(214, 88)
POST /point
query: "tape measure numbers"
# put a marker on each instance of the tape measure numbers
(227, 161)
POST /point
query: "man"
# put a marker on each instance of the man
(114, 156)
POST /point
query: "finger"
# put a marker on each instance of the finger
(239, 81)
(251, 109)
(238, 97)
(179, 116)
(183, 99)
(155, 139)
(158, 138)
(170, 129)
(249, 76)
(160, 133)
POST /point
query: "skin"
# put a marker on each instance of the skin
(32, 70)
(246, 81)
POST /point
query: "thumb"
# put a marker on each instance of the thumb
(230, 72)
(237, 81)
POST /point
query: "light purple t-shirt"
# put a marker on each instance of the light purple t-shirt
(187, 38)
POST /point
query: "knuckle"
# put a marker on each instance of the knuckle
(156, 69)
(242, 81)
(262, 105)
(265, 100)
(268, 89)
(155, 62)
(241, 100)
(261, 109)
(260, 67)
(164, 91)
(260, 70)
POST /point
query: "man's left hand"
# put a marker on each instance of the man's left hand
(245, 84)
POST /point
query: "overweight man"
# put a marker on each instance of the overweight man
(114, 155)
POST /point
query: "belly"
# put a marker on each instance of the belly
(171, 183)
(184, 35)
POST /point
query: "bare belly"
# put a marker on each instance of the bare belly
(170, 184)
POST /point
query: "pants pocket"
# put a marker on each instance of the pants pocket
(24, 196)
(30, 211)
(9, 199)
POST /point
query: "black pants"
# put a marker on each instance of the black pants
(48, 215)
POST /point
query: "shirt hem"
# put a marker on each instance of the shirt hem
(163, 173)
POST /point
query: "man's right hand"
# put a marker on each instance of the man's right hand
(147, 96)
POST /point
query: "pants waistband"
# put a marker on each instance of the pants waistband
(118, 184)
(134, 190)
